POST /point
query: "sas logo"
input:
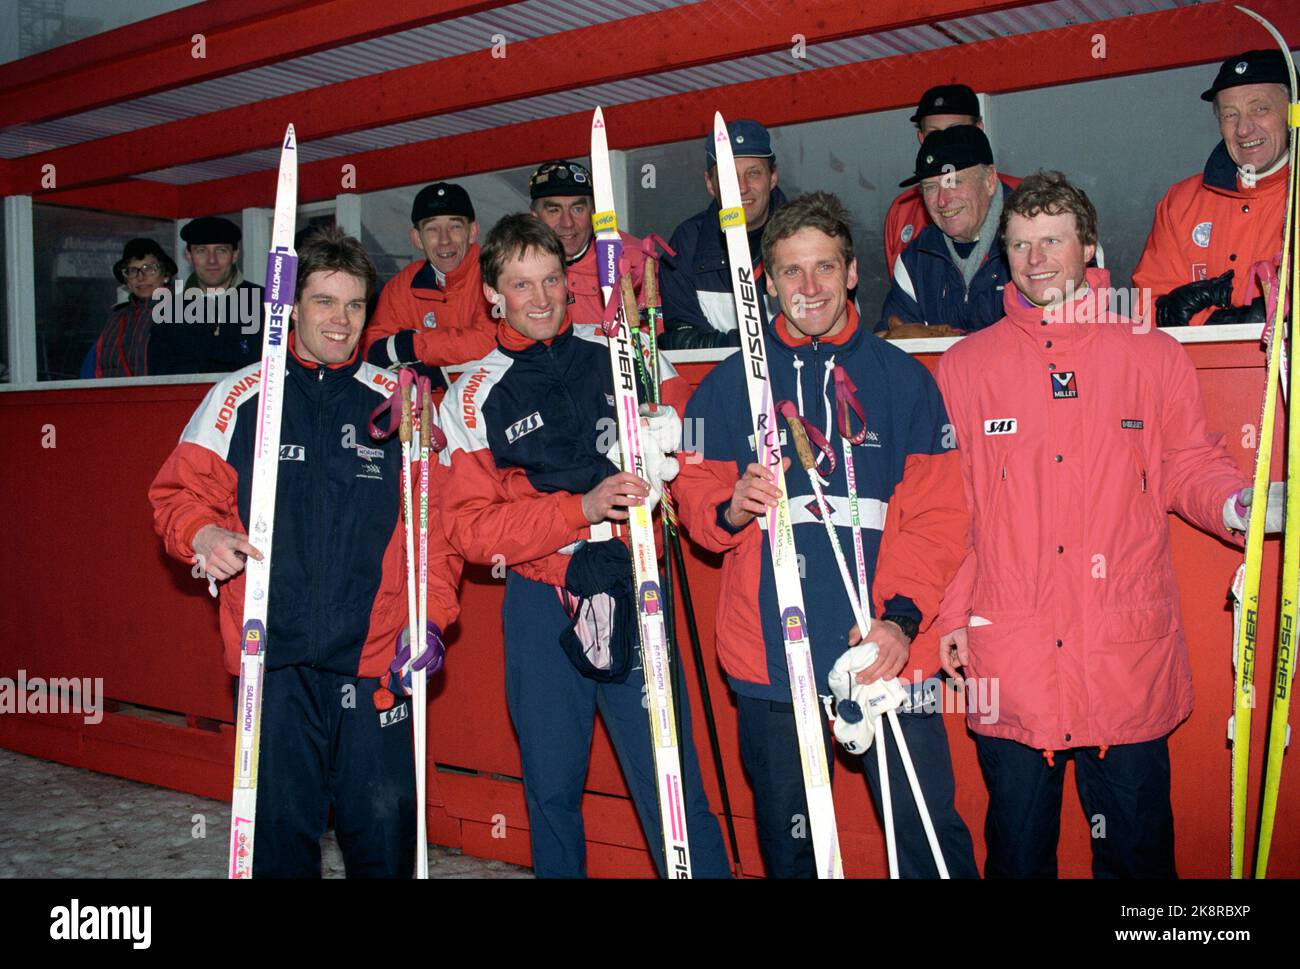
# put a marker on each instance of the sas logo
(292, 452)
(526, 426)
(1000, 425)
(1201, 234)
(430, 321)
(396, 715)
(1064, 385)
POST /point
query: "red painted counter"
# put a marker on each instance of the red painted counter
(88, 592)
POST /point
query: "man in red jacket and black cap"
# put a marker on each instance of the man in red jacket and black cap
(433, 313)
(1211, 228)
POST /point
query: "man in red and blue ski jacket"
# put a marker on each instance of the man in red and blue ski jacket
(913, 526)
(331, 734)
(528, 430)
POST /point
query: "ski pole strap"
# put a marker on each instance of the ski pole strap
(392, 407)
(806, 437)
(846, 399)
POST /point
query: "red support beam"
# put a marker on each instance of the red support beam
(1191, 35)
(679, 37)
(134, 195)
(230, 47)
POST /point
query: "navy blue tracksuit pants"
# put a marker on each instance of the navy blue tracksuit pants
(770, 752)
(325, 745)
(1125, 798)
(553, 708)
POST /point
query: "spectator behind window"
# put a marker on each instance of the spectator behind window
(122, 348)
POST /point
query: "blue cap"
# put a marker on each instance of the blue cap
(749, 139)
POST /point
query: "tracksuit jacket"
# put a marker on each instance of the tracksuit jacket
(912, 510)
(699, 310)
(1210, 223)
(908, 215)
(338, 592)
(441, 326)
(524, 425)
(1079, 433)
(929, 288)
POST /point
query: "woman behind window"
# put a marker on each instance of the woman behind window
(122, 349)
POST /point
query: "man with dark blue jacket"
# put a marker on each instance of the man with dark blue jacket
(948, 281)
(333, 735)
(699, 310)
(905, 535)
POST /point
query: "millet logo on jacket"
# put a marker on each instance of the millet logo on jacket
(526, 426)
(1000, 425)
(1064, 385)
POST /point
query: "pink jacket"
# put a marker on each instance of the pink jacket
(1078, 433)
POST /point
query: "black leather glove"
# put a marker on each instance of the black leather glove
(1253, 312)
(688, 337)
(1179, 305)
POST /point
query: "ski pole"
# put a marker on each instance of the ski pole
(804, 450)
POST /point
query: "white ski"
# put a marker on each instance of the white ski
(281, 283)
(780, 535)
(654, 644)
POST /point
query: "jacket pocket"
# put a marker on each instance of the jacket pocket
(1141, 625)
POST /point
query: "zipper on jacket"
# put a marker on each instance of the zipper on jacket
(319, 523)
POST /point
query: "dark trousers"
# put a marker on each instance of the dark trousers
(770, 752)
(1125, 798)
(323, 745)
(553, 708)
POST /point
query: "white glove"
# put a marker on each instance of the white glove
(859, 705)
(661, 433)
(1236, 510)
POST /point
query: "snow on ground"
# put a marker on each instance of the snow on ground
(67, 822)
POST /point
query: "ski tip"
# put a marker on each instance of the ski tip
(290, 138)
(720, 128)
(598, 118)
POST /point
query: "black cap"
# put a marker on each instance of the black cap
(441, 198)
(560, 178)
(211, 230)
(947, 99)
(950, 150)
(1252, 67)
(143, 249)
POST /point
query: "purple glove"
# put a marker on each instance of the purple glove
(430, 660)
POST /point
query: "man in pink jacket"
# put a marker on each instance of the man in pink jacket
(1079, 431)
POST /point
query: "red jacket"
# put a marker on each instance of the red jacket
(452, 325)
(1077, 437)
(907, 216)
(1210, 223)
(586, 305)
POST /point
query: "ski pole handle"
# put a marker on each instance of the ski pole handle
(650, 283)
(801, 445)
(630, 312)
(405, 428)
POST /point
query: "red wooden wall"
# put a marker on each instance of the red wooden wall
(87, 591)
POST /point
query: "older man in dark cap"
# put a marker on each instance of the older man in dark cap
(949, 279)
(1210, 229)
(215, 324)
(433, 313)
(940, 107)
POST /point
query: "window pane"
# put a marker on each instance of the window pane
(75, 250)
